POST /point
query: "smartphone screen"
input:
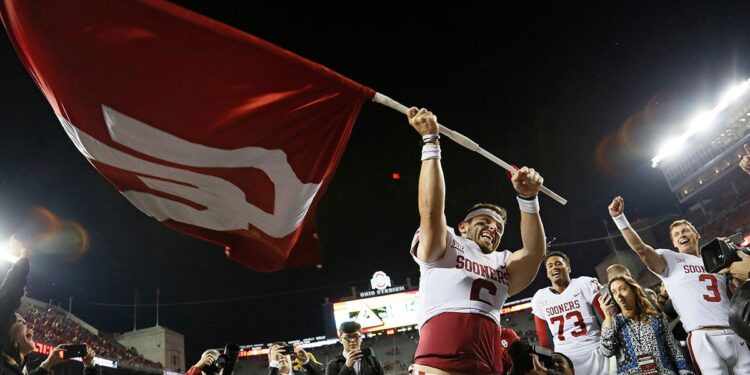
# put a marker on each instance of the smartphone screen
(74, 351)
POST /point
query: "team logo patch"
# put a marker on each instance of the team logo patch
(457, 245)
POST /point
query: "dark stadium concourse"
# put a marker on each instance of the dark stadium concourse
(584, 93)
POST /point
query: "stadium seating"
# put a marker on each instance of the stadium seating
(53, 327)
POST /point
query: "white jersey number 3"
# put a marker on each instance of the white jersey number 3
(713, 288)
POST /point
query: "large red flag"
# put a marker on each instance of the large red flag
(214, 132)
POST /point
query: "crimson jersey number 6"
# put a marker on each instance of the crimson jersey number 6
(561, 327)
(480, 284)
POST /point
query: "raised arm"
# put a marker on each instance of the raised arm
(745, 161)
(523, 264)
(648, 255)
(432, 223)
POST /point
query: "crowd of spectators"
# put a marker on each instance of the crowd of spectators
(728, 223)
(53, 327)
(723, 217)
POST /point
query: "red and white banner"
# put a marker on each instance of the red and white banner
(214, 132)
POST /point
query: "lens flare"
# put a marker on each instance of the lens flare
(45, 232)
(38, 225)
(71, 241)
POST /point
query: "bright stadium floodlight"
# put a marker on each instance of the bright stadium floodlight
(732, 94)
(669, 148)
(6, 255)
(703, 120)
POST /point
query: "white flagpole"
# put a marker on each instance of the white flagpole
(464, 141)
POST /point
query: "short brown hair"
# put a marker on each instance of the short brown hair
(500, 211)
(681, 222)
(617, 270)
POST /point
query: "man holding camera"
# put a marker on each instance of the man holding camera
(354, 360)
(699, 297)
(207, 359)
(213, 363)
(280, 360)
(740, 269)
(568, 309)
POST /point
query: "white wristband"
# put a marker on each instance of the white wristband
(273, 363)
(529, 206)
(621, 221)
(430, 151)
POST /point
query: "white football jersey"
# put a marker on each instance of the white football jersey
(464, 280)
(570, 316)
(699, 297)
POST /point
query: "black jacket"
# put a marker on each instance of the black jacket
(11, 291)
(310, 368)
(370, 366)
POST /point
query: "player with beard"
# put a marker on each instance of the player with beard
(700, 298)
(464, 280)
(569, 309)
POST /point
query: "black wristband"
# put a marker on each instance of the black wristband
(527, 197)
(431, 138)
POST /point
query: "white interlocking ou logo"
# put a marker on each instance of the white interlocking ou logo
(225, 205)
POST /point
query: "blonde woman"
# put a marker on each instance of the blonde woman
(636, 334)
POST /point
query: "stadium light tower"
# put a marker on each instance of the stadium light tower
(710, 146)
(700, 122)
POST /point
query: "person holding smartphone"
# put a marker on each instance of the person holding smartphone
(354, 360)
(301, 357)
(18, 340)
(280, 360)
(638, 336)
(568, 310)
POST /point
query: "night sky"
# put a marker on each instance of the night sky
(584, 93)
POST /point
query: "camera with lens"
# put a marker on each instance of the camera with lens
(225, 361)
(217, 365)
(520, 352)
(719, 253)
